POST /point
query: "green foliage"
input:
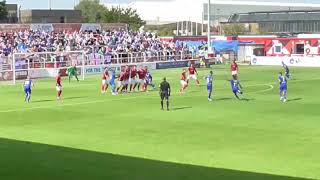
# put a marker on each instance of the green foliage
(234, 29)
(91, 10)
(94, 12)
(3, 10)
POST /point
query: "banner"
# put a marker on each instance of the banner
(173, 64)
(98, 69)
(6, 76)
(90, 27)
(290, 61)
(42, 27)
(39, 73)
(21, 74)
(67, 27)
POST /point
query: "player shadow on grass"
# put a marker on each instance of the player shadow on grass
(295, 99)
(247, 99)
(181, 108)
(51, 100)
(222, 99)
(26, 160)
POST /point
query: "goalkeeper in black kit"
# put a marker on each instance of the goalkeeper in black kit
(165, 91)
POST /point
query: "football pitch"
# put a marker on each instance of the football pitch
(127, 137)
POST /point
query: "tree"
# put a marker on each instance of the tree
(91, 10)
(234, 29)
(3, 10)
(123, 15)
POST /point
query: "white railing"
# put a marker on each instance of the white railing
(19, 65)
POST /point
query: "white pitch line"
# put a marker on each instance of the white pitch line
(64, 105)
(101, 101)
(265, 90)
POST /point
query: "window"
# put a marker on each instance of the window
(258, 51)
(62, 19)
(278, 49)
(299, 49)
(44, 20)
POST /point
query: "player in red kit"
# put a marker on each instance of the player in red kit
(133, 76)
(193, 74)
(126, 78)
(58, 86)
(142, 77)
(121, 83)
(105, 83)
(183, 81)
(234, 70)
(145, 84)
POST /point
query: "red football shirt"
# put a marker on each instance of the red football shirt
(142, 74)
(133, 73)
(105, 75)
(234, 67)
(192, 70)
(122, 76)
(58, 81)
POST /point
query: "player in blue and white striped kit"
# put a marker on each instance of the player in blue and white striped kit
(27, 85)
(149, 80)
(209, 80)
(112, 83)
(236, 87)
(283, 87)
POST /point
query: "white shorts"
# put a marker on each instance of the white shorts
(121, 83)
(183, 83)
(59, 88)
(192, 76)
(105, 82)
(234, 73)
(132, 81)
(141, 81)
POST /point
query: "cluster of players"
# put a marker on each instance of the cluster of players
(191, 74)
(132, 79)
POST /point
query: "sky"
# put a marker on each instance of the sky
(162, 10)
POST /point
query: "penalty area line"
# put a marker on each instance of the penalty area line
(109, 100)
(60, 104)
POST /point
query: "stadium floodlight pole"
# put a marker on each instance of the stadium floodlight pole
(49, 4)
(209, 28)
(181, 28)
(187, 28)
(202, 23)
(196, 28)
(191, 27)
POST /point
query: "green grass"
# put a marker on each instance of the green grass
(91, 136)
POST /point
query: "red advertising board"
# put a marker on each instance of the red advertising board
(67, 27)
(14, 27)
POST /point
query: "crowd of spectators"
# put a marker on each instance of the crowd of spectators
(121, 41)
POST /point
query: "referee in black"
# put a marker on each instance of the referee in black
(165, 91)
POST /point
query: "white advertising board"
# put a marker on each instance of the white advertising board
(290, 61)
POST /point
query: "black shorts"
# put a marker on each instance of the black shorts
(164, 95)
